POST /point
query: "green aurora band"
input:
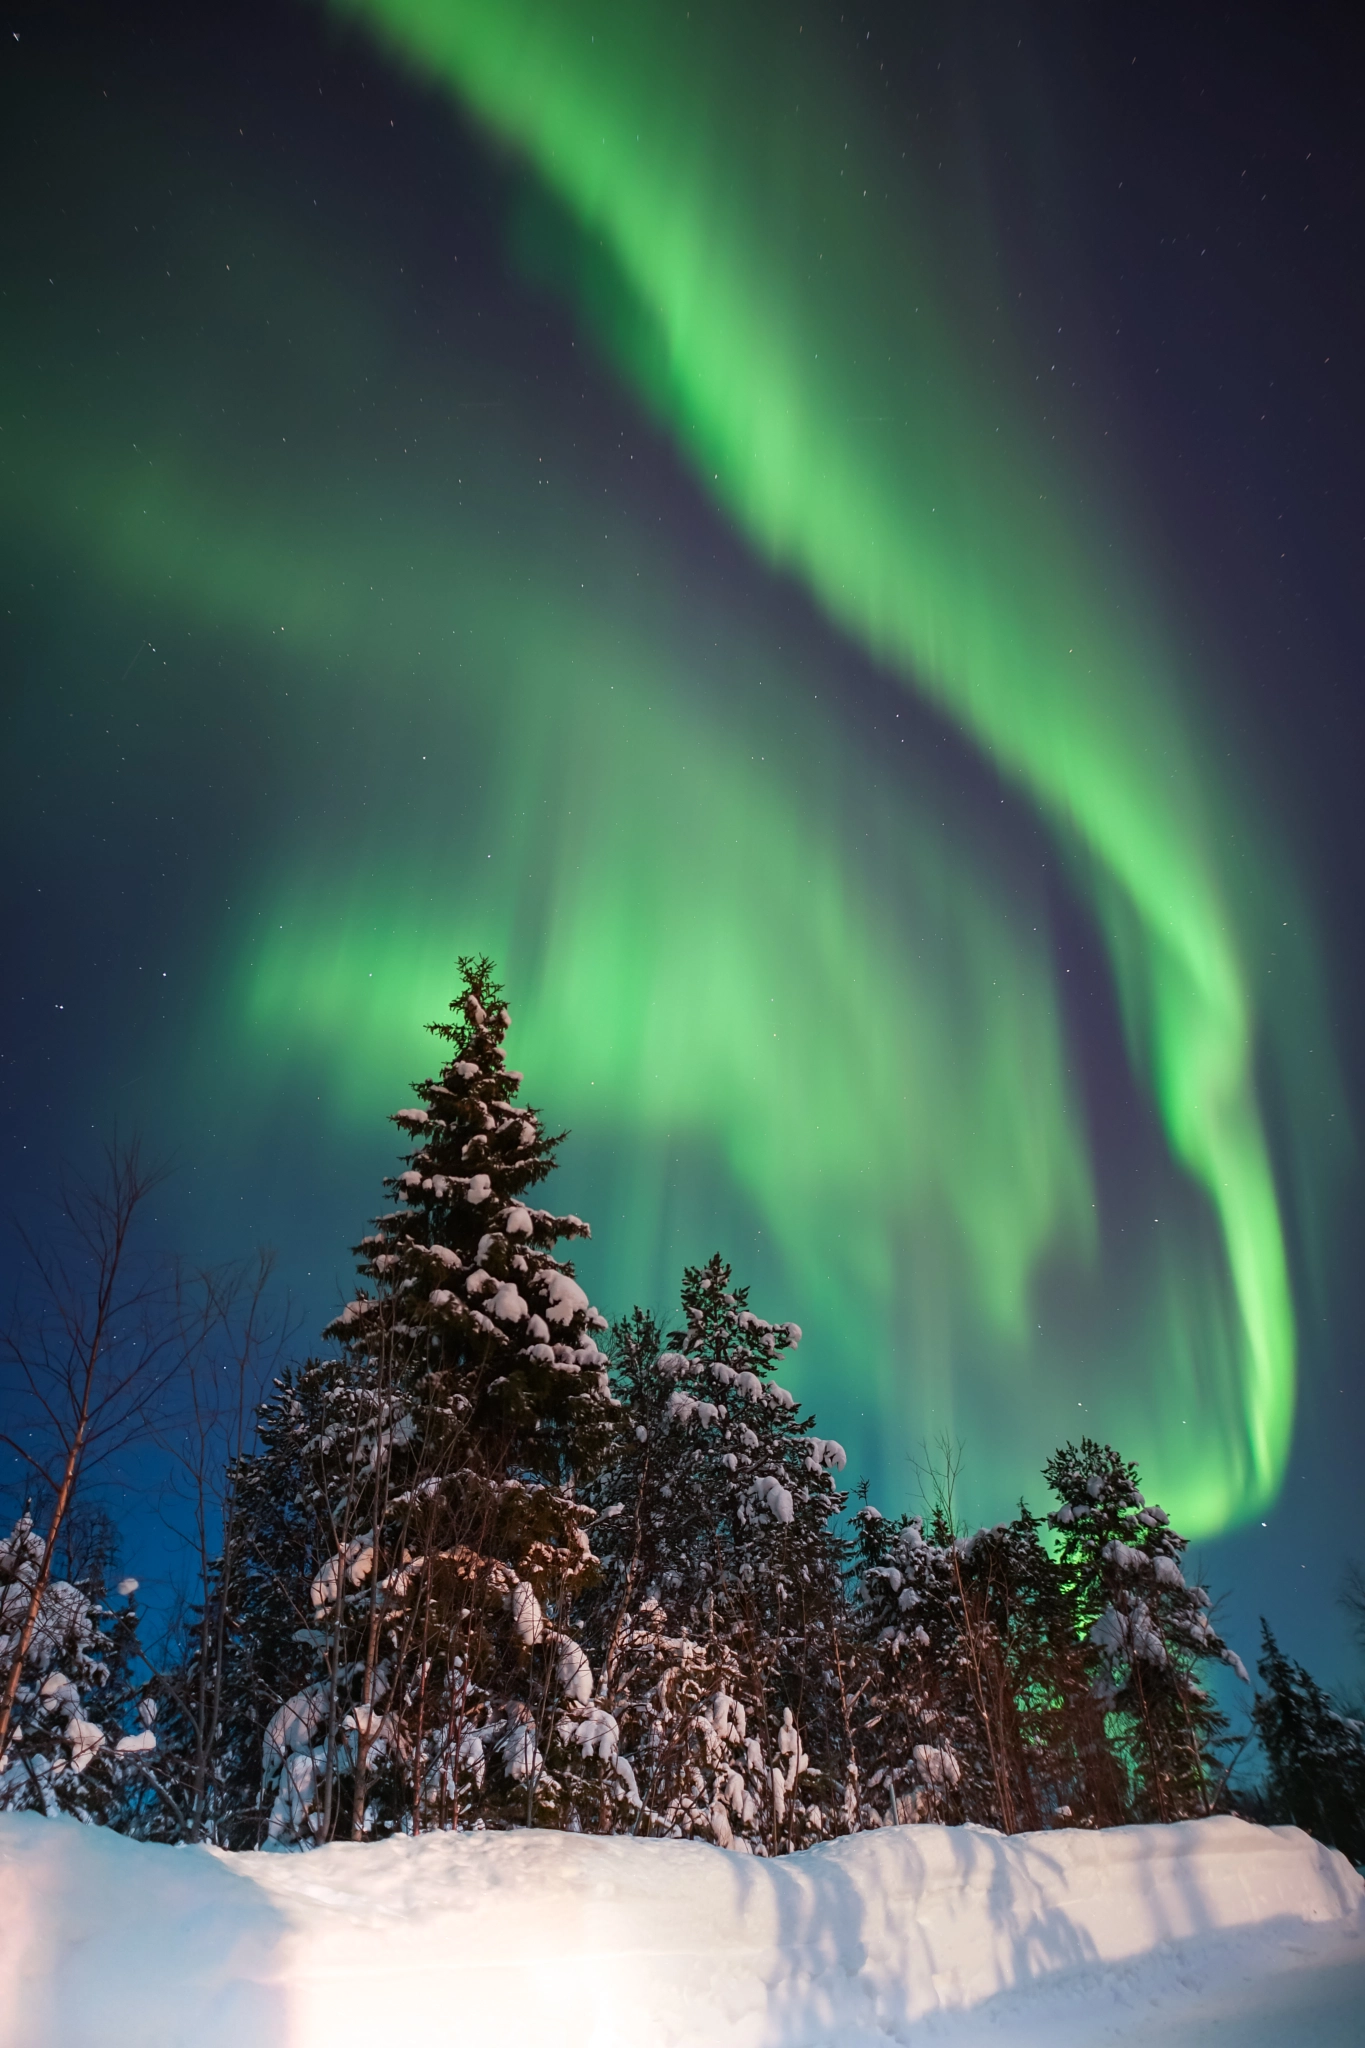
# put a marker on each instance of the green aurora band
(789, 981)
(946, 546)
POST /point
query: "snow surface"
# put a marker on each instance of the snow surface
(1210, 1931)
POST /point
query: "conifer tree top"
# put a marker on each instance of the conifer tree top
(463, 1277)
(475, 1146)
(462, 1191)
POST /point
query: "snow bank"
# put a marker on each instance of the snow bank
(611, 1943)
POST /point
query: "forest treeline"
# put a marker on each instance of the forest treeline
(490, 1563)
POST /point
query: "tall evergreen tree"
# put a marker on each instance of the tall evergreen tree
(1315, 1753)
(1148, 1631)
(414, 1527)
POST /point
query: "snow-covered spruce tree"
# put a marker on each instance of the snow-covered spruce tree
(663, 1685)
(1148, 1632)
(69, 1750)
(915, 1729)
(972, 1693)
(442, 1491)
(715, 1620)
(1315, 1754)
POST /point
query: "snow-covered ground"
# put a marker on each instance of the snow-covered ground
(1212, 1931)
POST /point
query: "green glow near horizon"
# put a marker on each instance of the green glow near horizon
(774, 247)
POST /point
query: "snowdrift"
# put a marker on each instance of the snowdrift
(507, 1939)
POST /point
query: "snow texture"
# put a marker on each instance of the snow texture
(1193, 1933)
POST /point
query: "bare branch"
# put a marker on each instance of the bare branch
(87, 1353)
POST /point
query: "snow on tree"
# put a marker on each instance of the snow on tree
(715, 1621)
(972, 1695)
(915, 1727)
(438, 1528)
(68, 1749)
(1148, 1630)
(1315, 1754)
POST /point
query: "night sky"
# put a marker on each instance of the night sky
(832, 544)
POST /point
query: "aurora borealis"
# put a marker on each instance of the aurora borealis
(727, 512)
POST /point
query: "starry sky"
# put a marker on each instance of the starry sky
(829, 542)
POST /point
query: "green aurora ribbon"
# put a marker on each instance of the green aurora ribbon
(775, 249)
(784, 973)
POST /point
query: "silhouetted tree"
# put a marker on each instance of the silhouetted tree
(1315, 1753)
